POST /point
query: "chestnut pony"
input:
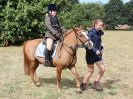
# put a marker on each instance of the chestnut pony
(65, 56)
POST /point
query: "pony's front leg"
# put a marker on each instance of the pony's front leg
(58, 77)
(76, 75)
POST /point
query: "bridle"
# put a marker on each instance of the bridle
(75, 46)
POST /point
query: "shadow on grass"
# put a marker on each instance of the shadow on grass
(65, 82)
(68, 83)
(108, 83)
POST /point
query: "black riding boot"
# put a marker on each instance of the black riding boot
(47, 57)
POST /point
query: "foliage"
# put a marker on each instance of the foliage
(24, 19)
(21, 20)
(128, 12)
(83, 14)
(113, 13)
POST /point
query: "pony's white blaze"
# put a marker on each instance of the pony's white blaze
(88, 43)
(85, 34)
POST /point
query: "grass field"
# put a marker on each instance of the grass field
(117, 81)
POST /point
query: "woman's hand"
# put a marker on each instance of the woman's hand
(98, 52)
(101, 51)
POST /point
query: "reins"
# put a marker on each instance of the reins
(71, 47)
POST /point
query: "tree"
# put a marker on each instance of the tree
(128, 12)
(83, 14)
(113, 13)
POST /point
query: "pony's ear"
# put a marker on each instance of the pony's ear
(81, 27)
(77, 30)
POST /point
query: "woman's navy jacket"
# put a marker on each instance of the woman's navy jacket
(95, 37)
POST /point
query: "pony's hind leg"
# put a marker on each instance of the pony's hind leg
(76, 75)
(33, 82)
(37, 80)
(34, 78)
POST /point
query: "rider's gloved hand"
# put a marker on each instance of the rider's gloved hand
(58, 35)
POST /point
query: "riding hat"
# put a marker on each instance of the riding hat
(51, 7)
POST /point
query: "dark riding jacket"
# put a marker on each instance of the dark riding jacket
(95, 37)
(53, 26)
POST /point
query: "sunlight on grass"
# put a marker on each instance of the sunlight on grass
(117, 81)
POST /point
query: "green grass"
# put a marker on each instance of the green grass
(117, 81)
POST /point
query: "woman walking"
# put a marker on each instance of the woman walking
(95, 56)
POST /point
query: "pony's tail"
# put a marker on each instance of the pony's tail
(26, 62)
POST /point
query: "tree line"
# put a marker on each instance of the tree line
(21, 20)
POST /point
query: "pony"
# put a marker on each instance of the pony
(65, 56)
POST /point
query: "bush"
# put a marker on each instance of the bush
(22, 20)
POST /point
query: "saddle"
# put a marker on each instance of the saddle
(40, 51)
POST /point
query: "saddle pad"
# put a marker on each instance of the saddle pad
(41, 50)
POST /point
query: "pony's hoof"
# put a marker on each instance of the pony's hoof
(78, 91)
(38, 84)
(32, 83)
(59, 90)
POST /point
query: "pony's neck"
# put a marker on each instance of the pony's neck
(71, 40)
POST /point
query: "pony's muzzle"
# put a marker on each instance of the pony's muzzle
(88, 44)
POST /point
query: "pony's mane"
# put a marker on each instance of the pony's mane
(68, 32)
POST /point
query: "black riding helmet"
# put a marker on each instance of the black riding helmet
(51, 7)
